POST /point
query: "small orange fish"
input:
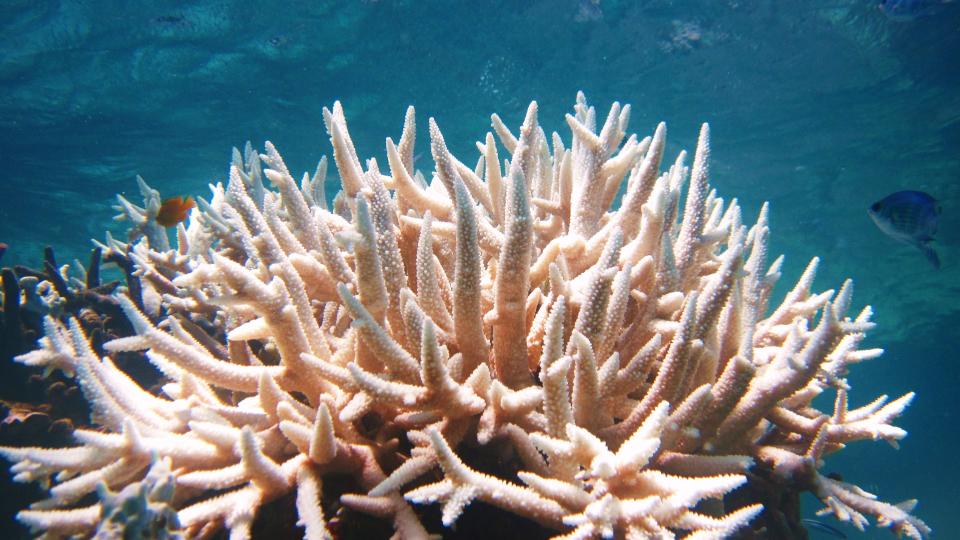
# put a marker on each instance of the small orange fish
(174, 210)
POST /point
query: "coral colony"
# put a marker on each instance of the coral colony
(619, 356)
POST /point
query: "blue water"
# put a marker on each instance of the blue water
(820, 107)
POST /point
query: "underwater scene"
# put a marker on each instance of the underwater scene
(574, 269)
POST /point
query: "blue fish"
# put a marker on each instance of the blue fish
(823, 527)
(910, 217)
(908, 10)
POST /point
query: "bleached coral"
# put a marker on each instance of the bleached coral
(620, 353)
(142, 509)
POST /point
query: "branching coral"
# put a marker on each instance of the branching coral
(619, 355)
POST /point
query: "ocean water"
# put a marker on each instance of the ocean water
(820, 107)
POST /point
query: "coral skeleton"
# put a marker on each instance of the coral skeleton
(558, 305)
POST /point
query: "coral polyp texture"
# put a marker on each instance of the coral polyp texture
(609, 346)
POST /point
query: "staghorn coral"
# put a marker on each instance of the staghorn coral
(142, 509)
(619, 357)
(61, 292)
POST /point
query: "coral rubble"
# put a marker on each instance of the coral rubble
(617, 359)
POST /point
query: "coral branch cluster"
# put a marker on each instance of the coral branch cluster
(564, 308)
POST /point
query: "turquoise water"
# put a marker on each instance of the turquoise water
(820, 107)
